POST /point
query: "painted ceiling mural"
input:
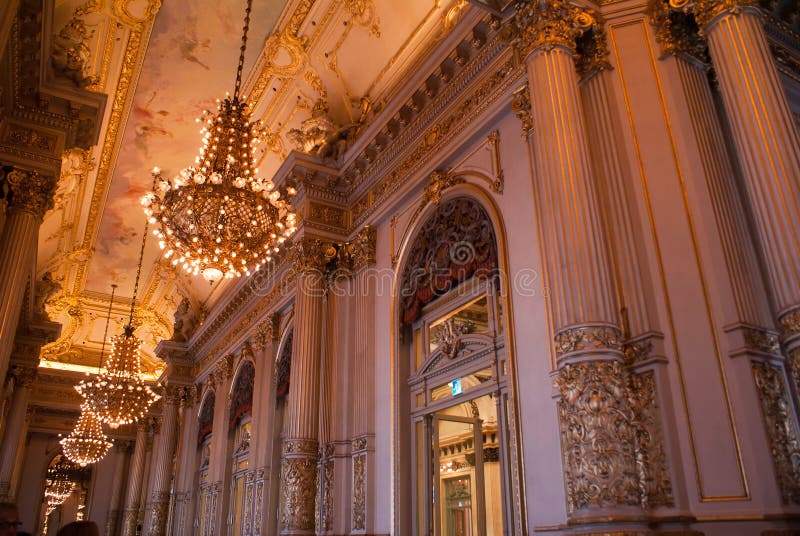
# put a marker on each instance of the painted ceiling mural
(161, 62)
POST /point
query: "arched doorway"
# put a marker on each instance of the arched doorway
(455, 410)
(206, 508)
(239, 431)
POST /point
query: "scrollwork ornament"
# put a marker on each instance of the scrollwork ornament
(598, 435)
(30, 192)
(781, 426)
(299, 480)
(676, 30)
(521, 106)
(359, 492)
(439, 181)
(790, 323)
(362, 248)
(575, 340)
(313, 254)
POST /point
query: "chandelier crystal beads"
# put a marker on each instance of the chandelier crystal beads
(219, 218)
(86, 443)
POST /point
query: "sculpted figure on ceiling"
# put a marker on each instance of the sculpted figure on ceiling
(71, 55)
(185, 321)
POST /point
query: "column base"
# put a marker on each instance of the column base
(299, 480)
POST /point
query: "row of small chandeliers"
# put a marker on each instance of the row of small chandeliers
(217, 218)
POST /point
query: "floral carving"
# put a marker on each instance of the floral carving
(521, 106)
(325, 500)
(587, 338)
(362, 248)
(655, 486)
(30, 192)
(313, 254)
(457, 242)
(299, 482)
(677, 31)
(597, 435)
(359, 492)
(781, 428)
(545, 24)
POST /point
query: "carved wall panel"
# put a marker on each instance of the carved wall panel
(782, 431)
(359, 492)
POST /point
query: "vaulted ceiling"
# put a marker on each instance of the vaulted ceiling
(159, 66)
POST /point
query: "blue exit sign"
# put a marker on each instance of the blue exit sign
(455, 387)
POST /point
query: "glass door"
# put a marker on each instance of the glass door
(458, 494)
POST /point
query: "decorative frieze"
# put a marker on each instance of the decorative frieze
(781, 426)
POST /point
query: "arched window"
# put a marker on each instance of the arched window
(240, 427)
(454, 361)
(205, 506)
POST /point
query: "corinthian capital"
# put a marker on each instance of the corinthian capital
(362, 248)
(313, 254)
(706, 11)
(545, 24)
(30, 192)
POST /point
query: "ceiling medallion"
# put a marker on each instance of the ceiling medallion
(218, 218)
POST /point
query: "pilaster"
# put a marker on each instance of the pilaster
(130, 514)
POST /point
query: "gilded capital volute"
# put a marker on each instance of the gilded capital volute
(267, 331)
(30, 192)
(313, 254)
(362, 248)
(545, 24)
(24, 376)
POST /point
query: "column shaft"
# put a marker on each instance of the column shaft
(300, 447)
(135, 477)
(600, 482)
(31, 195)
(112, 521)
(15, 431)
(162, 460)
(186, 468)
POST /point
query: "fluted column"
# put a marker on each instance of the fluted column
(186, 464)
(162, 460)
(300, 447)
(15, 430)
(123, 454)
(599, 464)
(768, 147)
(218, 492)
(362, 447)
(30, 196)
(135, 477)
(265, 342)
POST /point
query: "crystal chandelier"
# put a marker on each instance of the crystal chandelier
(59, 481)
(218, 218)
(118, 395)
(86, 443)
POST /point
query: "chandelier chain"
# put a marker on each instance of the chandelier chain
(105, 332)
(141, 257)
(242, 49)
